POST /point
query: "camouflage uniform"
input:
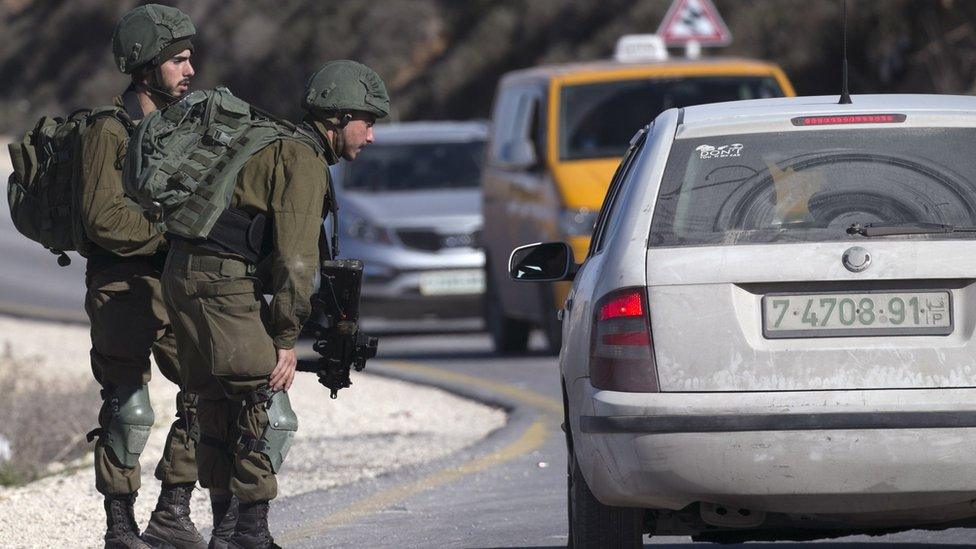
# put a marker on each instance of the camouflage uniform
(124, 304)
(227, 333)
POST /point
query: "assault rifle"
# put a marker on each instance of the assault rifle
(335, 326)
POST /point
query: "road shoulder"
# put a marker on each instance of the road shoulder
(377, 426)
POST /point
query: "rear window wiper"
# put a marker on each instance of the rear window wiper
(892, 229)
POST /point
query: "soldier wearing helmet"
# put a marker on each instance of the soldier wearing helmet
(238, 348)
(124, 298)
(152, 43)
(343, 99)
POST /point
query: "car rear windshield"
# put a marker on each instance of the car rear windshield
(410, 167)
(598, 120)
(812, 185)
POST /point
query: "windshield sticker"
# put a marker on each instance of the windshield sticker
(725, 151)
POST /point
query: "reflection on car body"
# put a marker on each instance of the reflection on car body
(410, 208)
(745, 357)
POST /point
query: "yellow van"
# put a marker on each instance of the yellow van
(557, 134)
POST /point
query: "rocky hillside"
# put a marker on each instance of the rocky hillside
(442, 58)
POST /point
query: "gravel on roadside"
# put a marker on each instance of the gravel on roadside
(374, 427)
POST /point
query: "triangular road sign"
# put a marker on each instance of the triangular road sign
(694, 21)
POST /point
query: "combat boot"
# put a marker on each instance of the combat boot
(121, 530)
(252, 527)
(170, 524)
(224, 521)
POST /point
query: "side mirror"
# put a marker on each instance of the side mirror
(520, 154)
(542, 262)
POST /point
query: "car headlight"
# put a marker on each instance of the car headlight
(577, 221)
(362, 229)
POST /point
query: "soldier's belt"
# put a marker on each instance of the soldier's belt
(185, 261)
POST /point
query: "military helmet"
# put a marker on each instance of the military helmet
(150, 34)
(346, 86)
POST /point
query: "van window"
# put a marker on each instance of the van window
(811, 186)
(503, 120)
(536, 126)
(517, 116)
(597, 120)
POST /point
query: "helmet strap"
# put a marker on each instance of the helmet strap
(330, 130)
(337, 142)
(151, 85)
(155, 81)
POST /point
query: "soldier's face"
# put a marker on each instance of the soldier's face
(175, 73)
(356, 134)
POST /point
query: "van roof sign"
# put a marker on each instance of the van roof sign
(633, 48)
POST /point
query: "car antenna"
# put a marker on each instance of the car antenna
(845, 94)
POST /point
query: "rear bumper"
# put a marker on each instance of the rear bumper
(826, 453)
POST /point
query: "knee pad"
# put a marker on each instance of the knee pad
(277, 437)
(130, 420)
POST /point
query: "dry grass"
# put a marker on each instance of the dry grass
(44, 422)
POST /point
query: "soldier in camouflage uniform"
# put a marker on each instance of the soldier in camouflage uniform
(238, 349)
(124, 300)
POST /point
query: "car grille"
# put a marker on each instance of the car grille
(428, 240)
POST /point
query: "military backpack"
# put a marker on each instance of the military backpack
(43, 191)
(183, 160)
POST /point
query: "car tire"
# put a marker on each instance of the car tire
(593, 524)
(552, 327)
(508, 335)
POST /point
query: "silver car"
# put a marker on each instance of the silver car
(410, 208)
(772, 335)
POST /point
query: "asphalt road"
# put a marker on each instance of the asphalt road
(31, 282)
(507, 491)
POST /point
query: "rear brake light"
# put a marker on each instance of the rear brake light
(621, 349)
(848, 119)
(628, 304)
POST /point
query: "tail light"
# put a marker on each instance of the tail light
(621, 349)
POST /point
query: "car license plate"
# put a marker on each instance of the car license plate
(460, 282)
(857, 314)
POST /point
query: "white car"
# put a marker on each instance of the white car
(772, 336)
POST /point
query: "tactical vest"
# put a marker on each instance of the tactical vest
(43, 191)
(183, 160)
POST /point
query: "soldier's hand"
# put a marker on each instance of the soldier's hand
(284, 371)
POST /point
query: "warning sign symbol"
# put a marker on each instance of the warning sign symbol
(694, 21)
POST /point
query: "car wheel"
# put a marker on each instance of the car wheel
(508, 335)
(593, 524)
(551, 325)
